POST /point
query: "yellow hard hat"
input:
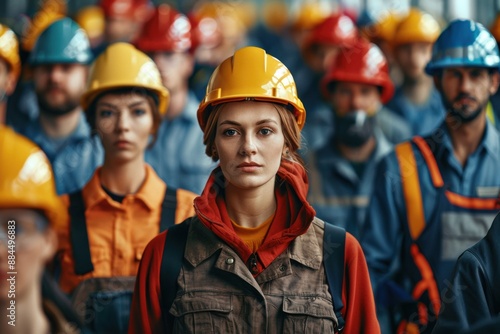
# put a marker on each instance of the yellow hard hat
(274, 14)
(251, 74)
(417, 26)
(384, 28)
(26, 178)
(122, 65)
(495, 28)
(92, 20)
(9, 49)
(309, 15)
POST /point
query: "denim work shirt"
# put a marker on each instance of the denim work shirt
(385, 227)
(336, 192)
(178, 155)
(73, 158)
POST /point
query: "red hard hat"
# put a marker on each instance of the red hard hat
(123, 8)
(337, 29)
(166, 30)
(364, 63)
(205, 31)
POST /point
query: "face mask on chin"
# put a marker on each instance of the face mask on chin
(354, 129)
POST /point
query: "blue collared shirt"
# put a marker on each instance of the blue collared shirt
(338, 194)
(422, 118)
(73, 158)
(178, 155)
(385, 225)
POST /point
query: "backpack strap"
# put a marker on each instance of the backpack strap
(333, 258)
(171, 264)
(168, 208)
(78, 234)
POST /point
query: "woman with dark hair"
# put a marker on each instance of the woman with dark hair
(125, 204)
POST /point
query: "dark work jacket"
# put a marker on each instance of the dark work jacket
(472, 300)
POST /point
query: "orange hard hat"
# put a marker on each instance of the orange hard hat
(39, 23)
(26, 178)
(251, 74)
(364, 64)
(166, 30)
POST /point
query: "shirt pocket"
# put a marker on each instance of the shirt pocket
(203, 313)
(308, 315)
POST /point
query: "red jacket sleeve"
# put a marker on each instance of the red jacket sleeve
(146, 312)
(357, 295)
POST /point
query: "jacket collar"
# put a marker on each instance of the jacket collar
(147, 193)
(292, 218)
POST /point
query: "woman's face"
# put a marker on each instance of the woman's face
(124, 122)
(250, 143)
(26, 245)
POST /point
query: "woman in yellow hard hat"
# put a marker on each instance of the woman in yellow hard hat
(30, 210)
(125, 204)
(10, 67)
(254, 259)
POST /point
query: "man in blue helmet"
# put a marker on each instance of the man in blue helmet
(60, 61)
(435, 196)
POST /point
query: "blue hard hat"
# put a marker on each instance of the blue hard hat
(62, 42)
(464, 43)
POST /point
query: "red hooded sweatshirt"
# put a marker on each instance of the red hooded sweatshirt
(293, 217)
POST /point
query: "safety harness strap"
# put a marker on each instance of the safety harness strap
(411, 189)
(78, 234)
(78, 228)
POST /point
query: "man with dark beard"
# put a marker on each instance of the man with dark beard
(436, 196)
(59, 63)
(342, 170)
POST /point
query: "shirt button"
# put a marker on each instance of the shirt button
(282, 267)
(230, 260)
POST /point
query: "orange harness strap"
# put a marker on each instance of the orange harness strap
(427, 282)
(437, 180)
(411, 189)
(416, 224)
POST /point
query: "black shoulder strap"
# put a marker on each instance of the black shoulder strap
(78, 235)
(168, 208)
(333, 257)
(171, 264)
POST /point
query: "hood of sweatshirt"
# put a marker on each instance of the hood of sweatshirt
(292, 218)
